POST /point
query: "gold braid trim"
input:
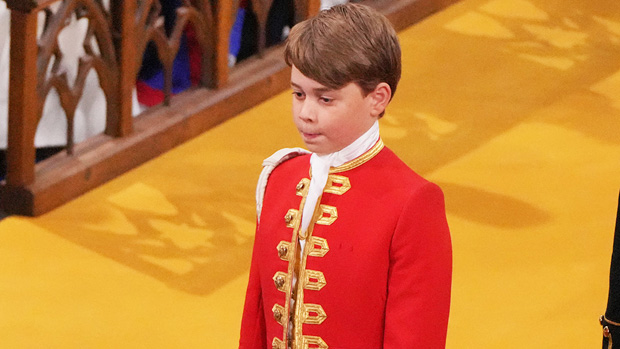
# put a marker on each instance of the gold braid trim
(277, 344)
(300, 308)
(294, 261)
(606, 332)
(610, 345)
(360, 160)
(611, 322)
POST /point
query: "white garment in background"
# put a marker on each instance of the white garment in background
(325, 4)
(90, 114)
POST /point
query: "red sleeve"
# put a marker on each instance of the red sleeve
(420, 276)
(253, 331)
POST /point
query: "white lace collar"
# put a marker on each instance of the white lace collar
(321, 164)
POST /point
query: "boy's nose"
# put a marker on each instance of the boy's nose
(307, 112)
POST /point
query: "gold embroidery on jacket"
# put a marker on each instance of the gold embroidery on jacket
(299, 291)
(315, 280)
(299, 302)
(302, 187)
(329, 214)
(318, 247)
(337, 184)
(311, 280)
(313, 340)
(313, 314)
(291, 250)
(277, 344)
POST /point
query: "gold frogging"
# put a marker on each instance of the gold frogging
(307, 280)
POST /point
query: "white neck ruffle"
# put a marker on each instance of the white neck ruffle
(321, 164)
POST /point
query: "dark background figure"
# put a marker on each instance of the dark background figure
(41, 154)
(185, 68)
(279, 21)
(2, 164)
(611, 320)
(244, 43)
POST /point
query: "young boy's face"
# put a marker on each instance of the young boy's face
(329, 120)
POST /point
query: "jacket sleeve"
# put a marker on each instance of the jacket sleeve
(253, 331)
(420, 275)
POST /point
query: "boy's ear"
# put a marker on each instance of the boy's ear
(380, 98)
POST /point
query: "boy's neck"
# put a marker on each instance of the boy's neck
(320, 165)
(358, 147)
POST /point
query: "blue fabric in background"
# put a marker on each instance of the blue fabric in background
(186, 66)
(235, 36)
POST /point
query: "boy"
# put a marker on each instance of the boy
(352, 248)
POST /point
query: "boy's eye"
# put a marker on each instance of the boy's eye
(326, 99)
(298, 94)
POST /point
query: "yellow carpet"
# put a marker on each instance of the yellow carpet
(512, 106)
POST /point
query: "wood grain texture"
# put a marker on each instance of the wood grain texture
(22, 100)
(127, 141)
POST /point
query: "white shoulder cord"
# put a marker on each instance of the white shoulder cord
(269, 165)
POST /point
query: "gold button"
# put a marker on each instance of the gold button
(282, 251)
(279, 281)
(288, 218)
(277, 315)
(300, 186)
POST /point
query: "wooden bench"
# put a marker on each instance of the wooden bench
(122, 34)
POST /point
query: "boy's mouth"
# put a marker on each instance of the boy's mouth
(309, 135)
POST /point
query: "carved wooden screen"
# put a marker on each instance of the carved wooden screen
(100, 55)
(118, 33)
(150, 27)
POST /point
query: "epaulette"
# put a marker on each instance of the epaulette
(269, 164)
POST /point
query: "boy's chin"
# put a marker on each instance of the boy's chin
(315, 149)
(320, 150)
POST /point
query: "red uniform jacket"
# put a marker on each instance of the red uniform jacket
(376, 268)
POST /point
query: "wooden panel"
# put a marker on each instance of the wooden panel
(223, 25)
(200, 14)
(99, 55)
(119, 121)
(306, 9)
(22, 5)
(312, 8)
(101, 158)
(22, 99)
(261, 9)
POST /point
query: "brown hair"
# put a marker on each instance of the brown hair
(347, 43)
